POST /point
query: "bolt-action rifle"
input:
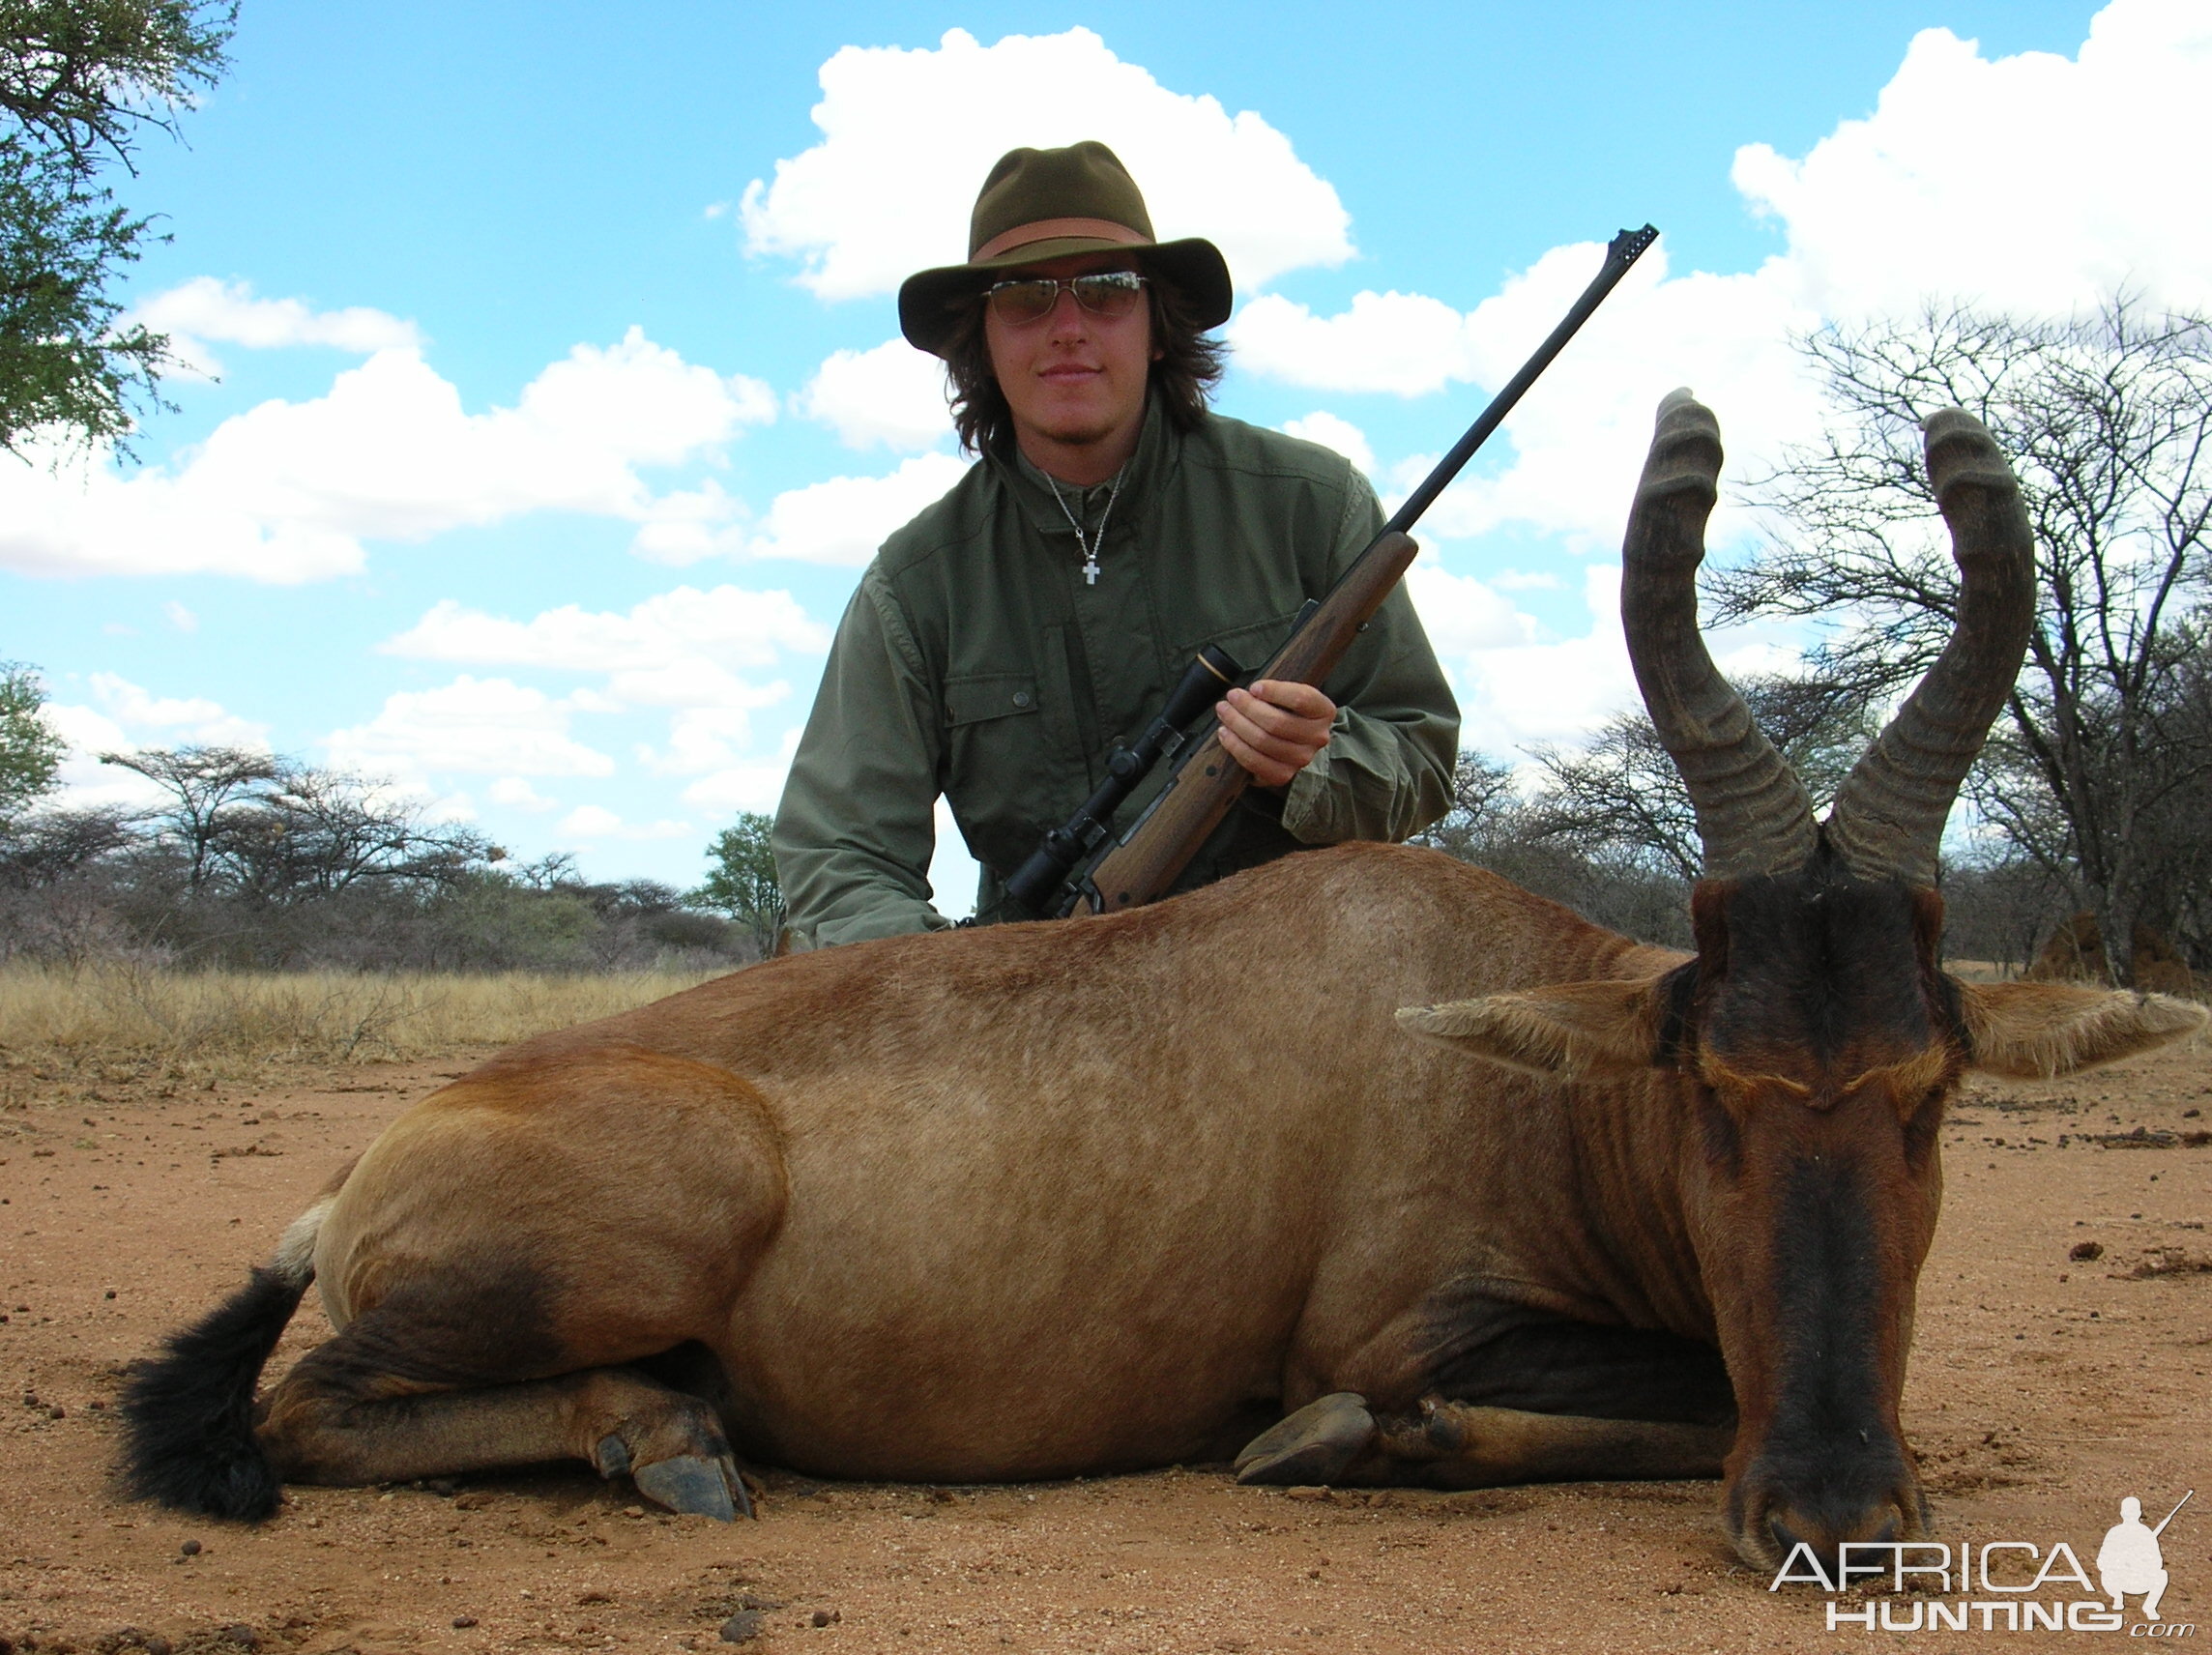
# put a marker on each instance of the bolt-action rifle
(1140, 865)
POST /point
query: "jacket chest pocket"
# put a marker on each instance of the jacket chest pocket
(994, 739)
(980, 697)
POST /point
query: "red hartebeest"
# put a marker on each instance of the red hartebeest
(1060, 1198)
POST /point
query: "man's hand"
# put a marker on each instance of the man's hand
(1273, 730)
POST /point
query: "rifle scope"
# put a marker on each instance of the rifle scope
(1204, 680)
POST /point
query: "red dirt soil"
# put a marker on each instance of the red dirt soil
(2044, 1389)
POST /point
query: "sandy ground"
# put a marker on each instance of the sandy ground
(2044, 1389)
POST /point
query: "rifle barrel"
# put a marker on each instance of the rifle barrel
(2175, 1513)
(1624, 249)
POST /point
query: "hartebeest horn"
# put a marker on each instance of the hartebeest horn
(1888, 817)
(1753, 814)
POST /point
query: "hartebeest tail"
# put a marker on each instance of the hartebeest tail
(187, 1414)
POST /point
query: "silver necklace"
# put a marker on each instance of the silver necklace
(1088, 546)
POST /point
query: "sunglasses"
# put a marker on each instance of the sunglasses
(1106, 293)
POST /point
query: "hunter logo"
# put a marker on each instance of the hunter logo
(2007, 1585)
(2130, 1560)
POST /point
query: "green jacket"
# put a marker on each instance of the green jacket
(974, 663)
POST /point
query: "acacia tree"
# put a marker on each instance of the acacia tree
(2107, 423)
(740, 880)
(269, 828)
(80, 82)
(207, 787)
(310, 833)
(30, 752)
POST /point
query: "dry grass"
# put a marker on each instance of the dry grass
(132, 1017)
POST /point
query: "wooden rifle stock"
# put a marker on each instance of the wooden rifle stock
(1145, 861)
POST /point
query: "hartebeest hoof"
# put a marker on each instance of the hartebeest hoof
(696, 1487)
(1313, 1445)
(691, 1468)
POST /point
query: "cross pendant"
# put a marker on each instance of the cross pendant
(1091, 570)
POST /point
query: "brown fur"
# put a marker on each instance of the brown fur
(977, 1169)
(1042, 1200)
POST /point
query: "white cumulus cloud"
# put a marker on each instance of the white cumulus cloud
(1330, 432)
(153, 719)
(125, 718)
(516, 793)
(470, 726)
(205, 310)
(1405, 344)
(892, 395)
(1577, 439)
(708, 737)
(727, 624)
(1547, 690)
(289, 491)
(844, 519)
(1463, 615)
(909, 134)
(744, 784)
(674, 651)
(2037, 182)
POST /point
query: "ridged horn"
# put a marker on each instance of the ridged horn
(1887, 820)
(1753, 814)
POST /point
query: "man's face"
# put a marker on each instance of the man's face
(1075, 381)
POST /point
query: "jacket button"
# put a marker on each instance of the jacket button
(1021, 698)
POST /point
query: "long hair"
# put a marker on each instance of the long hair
(1191, 364)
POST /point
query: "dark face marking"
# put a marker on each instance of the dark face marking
(1814, 973)
(1829, 1445)
(1826, 1464)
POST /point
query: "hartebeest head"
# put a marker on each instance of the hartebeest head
(1809, 1046)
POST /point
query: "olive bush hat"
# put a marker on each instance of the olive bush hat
(1045, 204)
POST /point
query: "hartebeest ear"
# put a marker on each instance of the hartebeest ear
(1573, 1028)
(2035, 1031)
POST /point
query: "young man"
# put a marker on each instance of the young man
(1008, 637)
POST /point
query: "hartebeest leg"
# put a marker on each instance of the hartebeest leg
(1514, 1394)
(1458, 1446)
(505, 1254)
(1461, 1446)
(319, 1429)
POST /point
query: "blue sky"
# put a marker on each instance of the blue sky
(521, 479)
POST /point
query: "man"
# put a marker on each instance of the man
(1008, 637)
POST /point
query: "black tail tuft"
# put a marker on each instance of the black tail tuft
(188, 1413)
